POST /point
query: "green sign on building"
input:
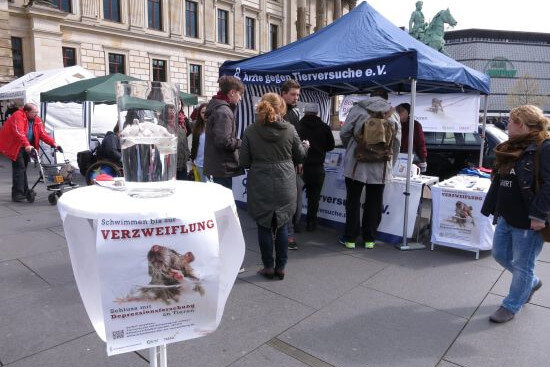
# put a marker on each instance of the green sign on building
(499, 67)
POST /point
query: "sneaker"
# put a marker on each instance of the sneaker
(535, 288)
(501, 315)
(342, 241)
(292, 245)
(242, 270)
(350, 245)
(369, 245)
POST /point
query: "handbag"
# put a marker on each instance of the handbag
(545, 232)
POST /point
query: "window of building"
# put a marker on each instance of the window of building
(116, 64)
(111, 10)
(64, 5)
(223, 26)
(191, 17)
(69, 56)
(195, 79)
(250, 33)
(274, 36)
(159, 70)
(154, 11)
(17, 54)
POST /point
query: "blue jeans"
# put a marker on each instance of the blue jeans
(265, 239)
(516, 250)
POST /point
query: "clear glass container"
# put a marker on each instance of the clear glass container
(148, 118)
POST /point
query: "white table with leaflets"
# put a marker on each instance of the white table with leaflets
(118, 246)
(457, 220)
(332, 210)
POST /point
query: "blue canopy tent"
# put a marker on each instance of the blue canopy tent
(357, 53)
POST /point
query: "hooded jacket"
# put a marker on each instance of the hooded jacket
(366, 172)
(13, 135)
(221, 147)
(321, 141)
(271, 151)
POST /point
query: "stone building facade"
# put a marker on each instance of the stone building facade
(179, 41)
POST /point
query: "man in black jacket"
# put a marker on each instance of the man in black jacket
(290, 91)
(321, 140)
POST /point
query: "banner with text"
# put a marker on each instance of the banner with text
(159, 279)
(451, 112)
(402, 66)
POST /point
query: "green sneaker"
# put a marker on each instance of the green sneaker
(349, 245)
(369, 245)
(292, 245)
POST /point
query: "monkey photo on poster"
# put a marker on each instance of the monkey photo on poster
(159, 280)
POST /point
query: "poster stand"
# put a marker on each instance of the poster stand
(157, 356)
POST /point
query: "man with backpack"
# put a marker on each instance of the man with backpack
(372, 137)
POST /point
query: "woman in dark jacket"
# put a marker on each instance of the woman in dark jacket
(520, 205)
(270, 150)
(197, 145)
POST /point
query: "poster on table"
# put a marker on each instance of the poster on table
(449, 112)
(456, 217)
(159, 279)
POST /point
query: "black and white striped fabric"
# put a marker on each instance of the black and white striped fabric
(245, 110)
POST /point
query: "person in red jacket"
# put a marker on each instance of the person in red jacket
(22, 132)
(419, 142)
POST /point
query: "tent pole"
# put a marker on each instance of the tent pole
(483, 130)
(411, 245)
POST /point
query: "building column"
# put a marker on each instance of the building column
(6, 60)
(137, 15)
(301, 31)
(337, 9)
(321, 14)
(90, 11)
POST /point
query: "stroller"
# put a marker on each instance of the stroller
(56, 177)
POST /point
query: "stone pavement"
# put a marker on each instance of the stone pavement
(336, 307)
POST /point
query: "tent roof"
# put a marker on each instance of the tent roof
(98, 90)
(38, 81)
(189, 99)
(365, 42)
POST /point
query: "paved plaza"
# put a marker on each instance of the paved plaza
(336, 307)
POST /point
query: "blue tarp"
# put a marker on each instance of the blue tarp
(358, 52)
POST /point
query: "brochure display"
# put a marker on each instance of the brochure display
(457, 219)
(333, 198)
(153, 271)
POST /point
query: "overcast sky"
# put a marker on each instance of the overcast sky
(523, 15)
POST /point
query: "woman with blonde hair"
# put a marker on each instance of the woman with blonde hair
(519, 199)
(270, 150)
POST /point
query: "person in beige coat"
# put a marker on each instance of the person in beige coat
(369, 175)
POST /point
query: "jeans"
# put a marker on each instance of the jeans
(372, 210)
(516, 250)
(20, 184)
(314, 176)
(224, 181)
(266, 237)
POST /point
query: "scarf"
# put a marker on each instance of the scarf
(508, 153)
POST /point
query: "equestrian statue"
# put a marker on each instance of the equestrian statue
(431, 34)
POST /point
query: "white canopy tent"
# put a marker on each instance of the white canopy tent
(27, 89)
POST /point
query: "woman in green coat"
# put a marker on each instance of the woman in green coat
(270, 150)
